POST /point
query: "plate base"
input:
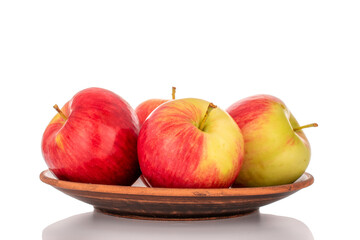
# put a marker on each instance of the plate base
(176, 204)
(171, 218)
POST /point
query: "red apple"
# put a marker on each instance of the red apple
(145, 108)
(93, 139)
(183, 145)
(276, 149)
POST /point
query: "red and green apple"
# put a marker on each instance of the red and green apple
(93, 139)
(190, 143)
(276, 149)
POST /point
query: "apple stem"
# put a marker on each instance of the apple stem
(173, 92)
(306, 126)
(56, 107)
(208, 110)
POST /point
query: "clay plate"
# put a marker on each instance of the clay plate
(175, 203)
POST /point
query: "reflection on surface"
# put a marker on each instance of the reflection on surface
(94, 225)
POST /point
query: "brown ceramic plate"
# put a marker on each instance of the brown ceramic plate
(175, 204)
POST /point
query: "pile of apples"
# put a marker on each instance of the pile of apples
(97, 137)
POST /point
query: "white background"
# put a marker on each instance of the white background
(304, 52)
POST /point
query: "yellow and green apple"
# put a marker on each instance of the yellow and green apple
(93, 139)
(190, 143)
(144, 109)
(276, 149)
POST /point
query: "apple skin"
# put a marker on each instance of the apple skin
(274, 153)
(97, 143)
(144, 109)
(173, 152)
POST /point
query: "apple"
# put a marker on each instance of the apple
(190, 143)
(144, 109)
(276, 149)
(93, 139)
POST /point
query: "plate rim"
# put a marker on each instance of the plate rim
(176, 192)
